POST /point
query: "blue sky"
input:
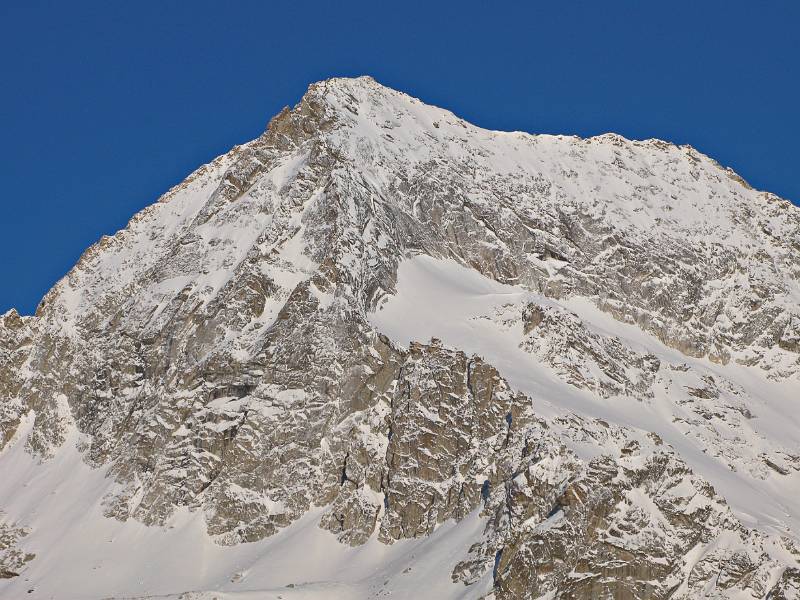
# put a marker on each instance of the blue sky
(105, 105)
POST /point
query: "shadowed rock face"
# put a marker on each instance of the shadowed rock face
(15, 339)
(217, 354)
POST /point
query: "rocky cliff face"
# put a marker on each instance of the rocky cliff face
(257, 345)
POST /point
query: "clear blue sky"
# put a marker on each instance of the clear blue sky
(105, 105)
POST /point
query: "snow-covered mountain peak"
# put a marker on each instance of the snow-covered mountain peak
(549, 366)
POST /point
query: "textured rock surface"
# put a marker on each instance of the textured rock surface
(12, 558)
(218, 354)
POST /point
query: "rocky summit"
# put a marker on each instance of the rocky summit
(381, 352)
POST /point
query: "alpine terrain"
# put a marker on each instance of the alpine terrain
(380, 352)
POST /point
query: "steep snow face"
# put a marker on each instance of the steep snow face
(607, 407)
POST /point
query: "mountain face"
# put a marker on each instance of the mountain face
(381, 351)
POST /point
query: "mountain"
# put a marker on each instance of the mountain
(379, 351)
